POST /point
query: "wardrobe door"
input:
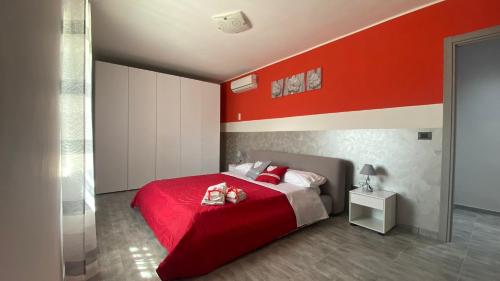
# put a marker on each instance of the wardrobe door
(142, 127)
(168, 126)
(210, 140)
(111, 127)
(191, 134)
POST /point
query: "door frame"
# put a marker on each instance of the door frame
(449, 123)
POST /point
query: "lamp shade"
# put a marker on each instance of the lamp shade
(368, 170)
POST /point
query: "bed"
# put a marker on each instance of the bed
(201, 238)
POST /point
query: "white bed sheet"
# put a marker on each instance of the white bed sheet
(305, 202)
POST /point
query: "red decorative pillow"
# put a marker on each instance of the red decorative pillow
(272, 174)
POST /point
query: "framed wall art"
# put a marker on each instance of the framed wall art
(277, 88)
(294, 84)
(314, 79)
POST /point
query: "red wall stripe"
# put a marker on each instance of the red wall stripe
(397, 63)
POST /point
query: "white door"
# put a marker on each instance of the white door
(142, 127)
(210, 128)
(191, 106)
(168, 126)
(111, 127)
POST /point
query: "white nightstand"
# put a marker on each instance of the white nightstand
(374, 210)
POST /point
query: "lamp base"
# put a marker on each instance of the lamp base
(366, 185)
(367, 188)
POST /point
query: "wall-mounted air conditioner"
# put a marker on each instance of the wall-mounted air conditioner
(244, 84)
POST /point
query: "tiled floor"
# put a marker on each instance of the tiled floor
(329, 250)
(480, 235)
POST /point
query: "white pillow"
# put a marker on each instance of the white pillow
(241, 168)
(303, 178)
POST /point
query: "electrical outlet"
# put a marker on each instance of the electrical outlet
(424, 135)
(239, 116)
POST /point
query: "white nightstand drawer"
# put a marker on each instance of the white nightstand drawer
(367, 201)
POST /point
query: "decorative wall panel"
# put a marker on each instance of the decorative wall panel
(405, 165)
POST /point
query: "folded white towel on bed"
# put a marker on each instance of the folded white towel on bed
(235, 195)
(215, 195)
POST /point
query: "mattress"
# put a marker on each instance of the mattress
(306, 202)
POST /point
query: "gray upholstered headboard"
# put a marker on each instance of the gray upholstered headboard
(333, 169)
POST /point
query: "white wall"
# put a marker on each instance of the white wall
(478, 127)
(30, 240)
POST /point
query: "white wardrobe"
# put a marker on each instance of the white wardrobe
(150, 125)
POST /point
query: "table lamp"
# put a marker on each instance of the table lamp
(367, 170)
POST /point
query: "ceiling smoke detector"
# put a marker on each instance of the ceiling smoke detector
(233, 22)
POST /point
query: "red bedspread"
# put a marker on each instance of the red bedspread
(201, 238)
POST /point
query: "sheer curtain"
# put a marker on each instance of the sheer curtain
(77, 167)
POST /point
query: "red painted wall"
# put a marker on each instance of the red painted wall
(397, 63)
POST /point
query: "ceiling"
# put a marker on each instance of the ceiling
(178, 36)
